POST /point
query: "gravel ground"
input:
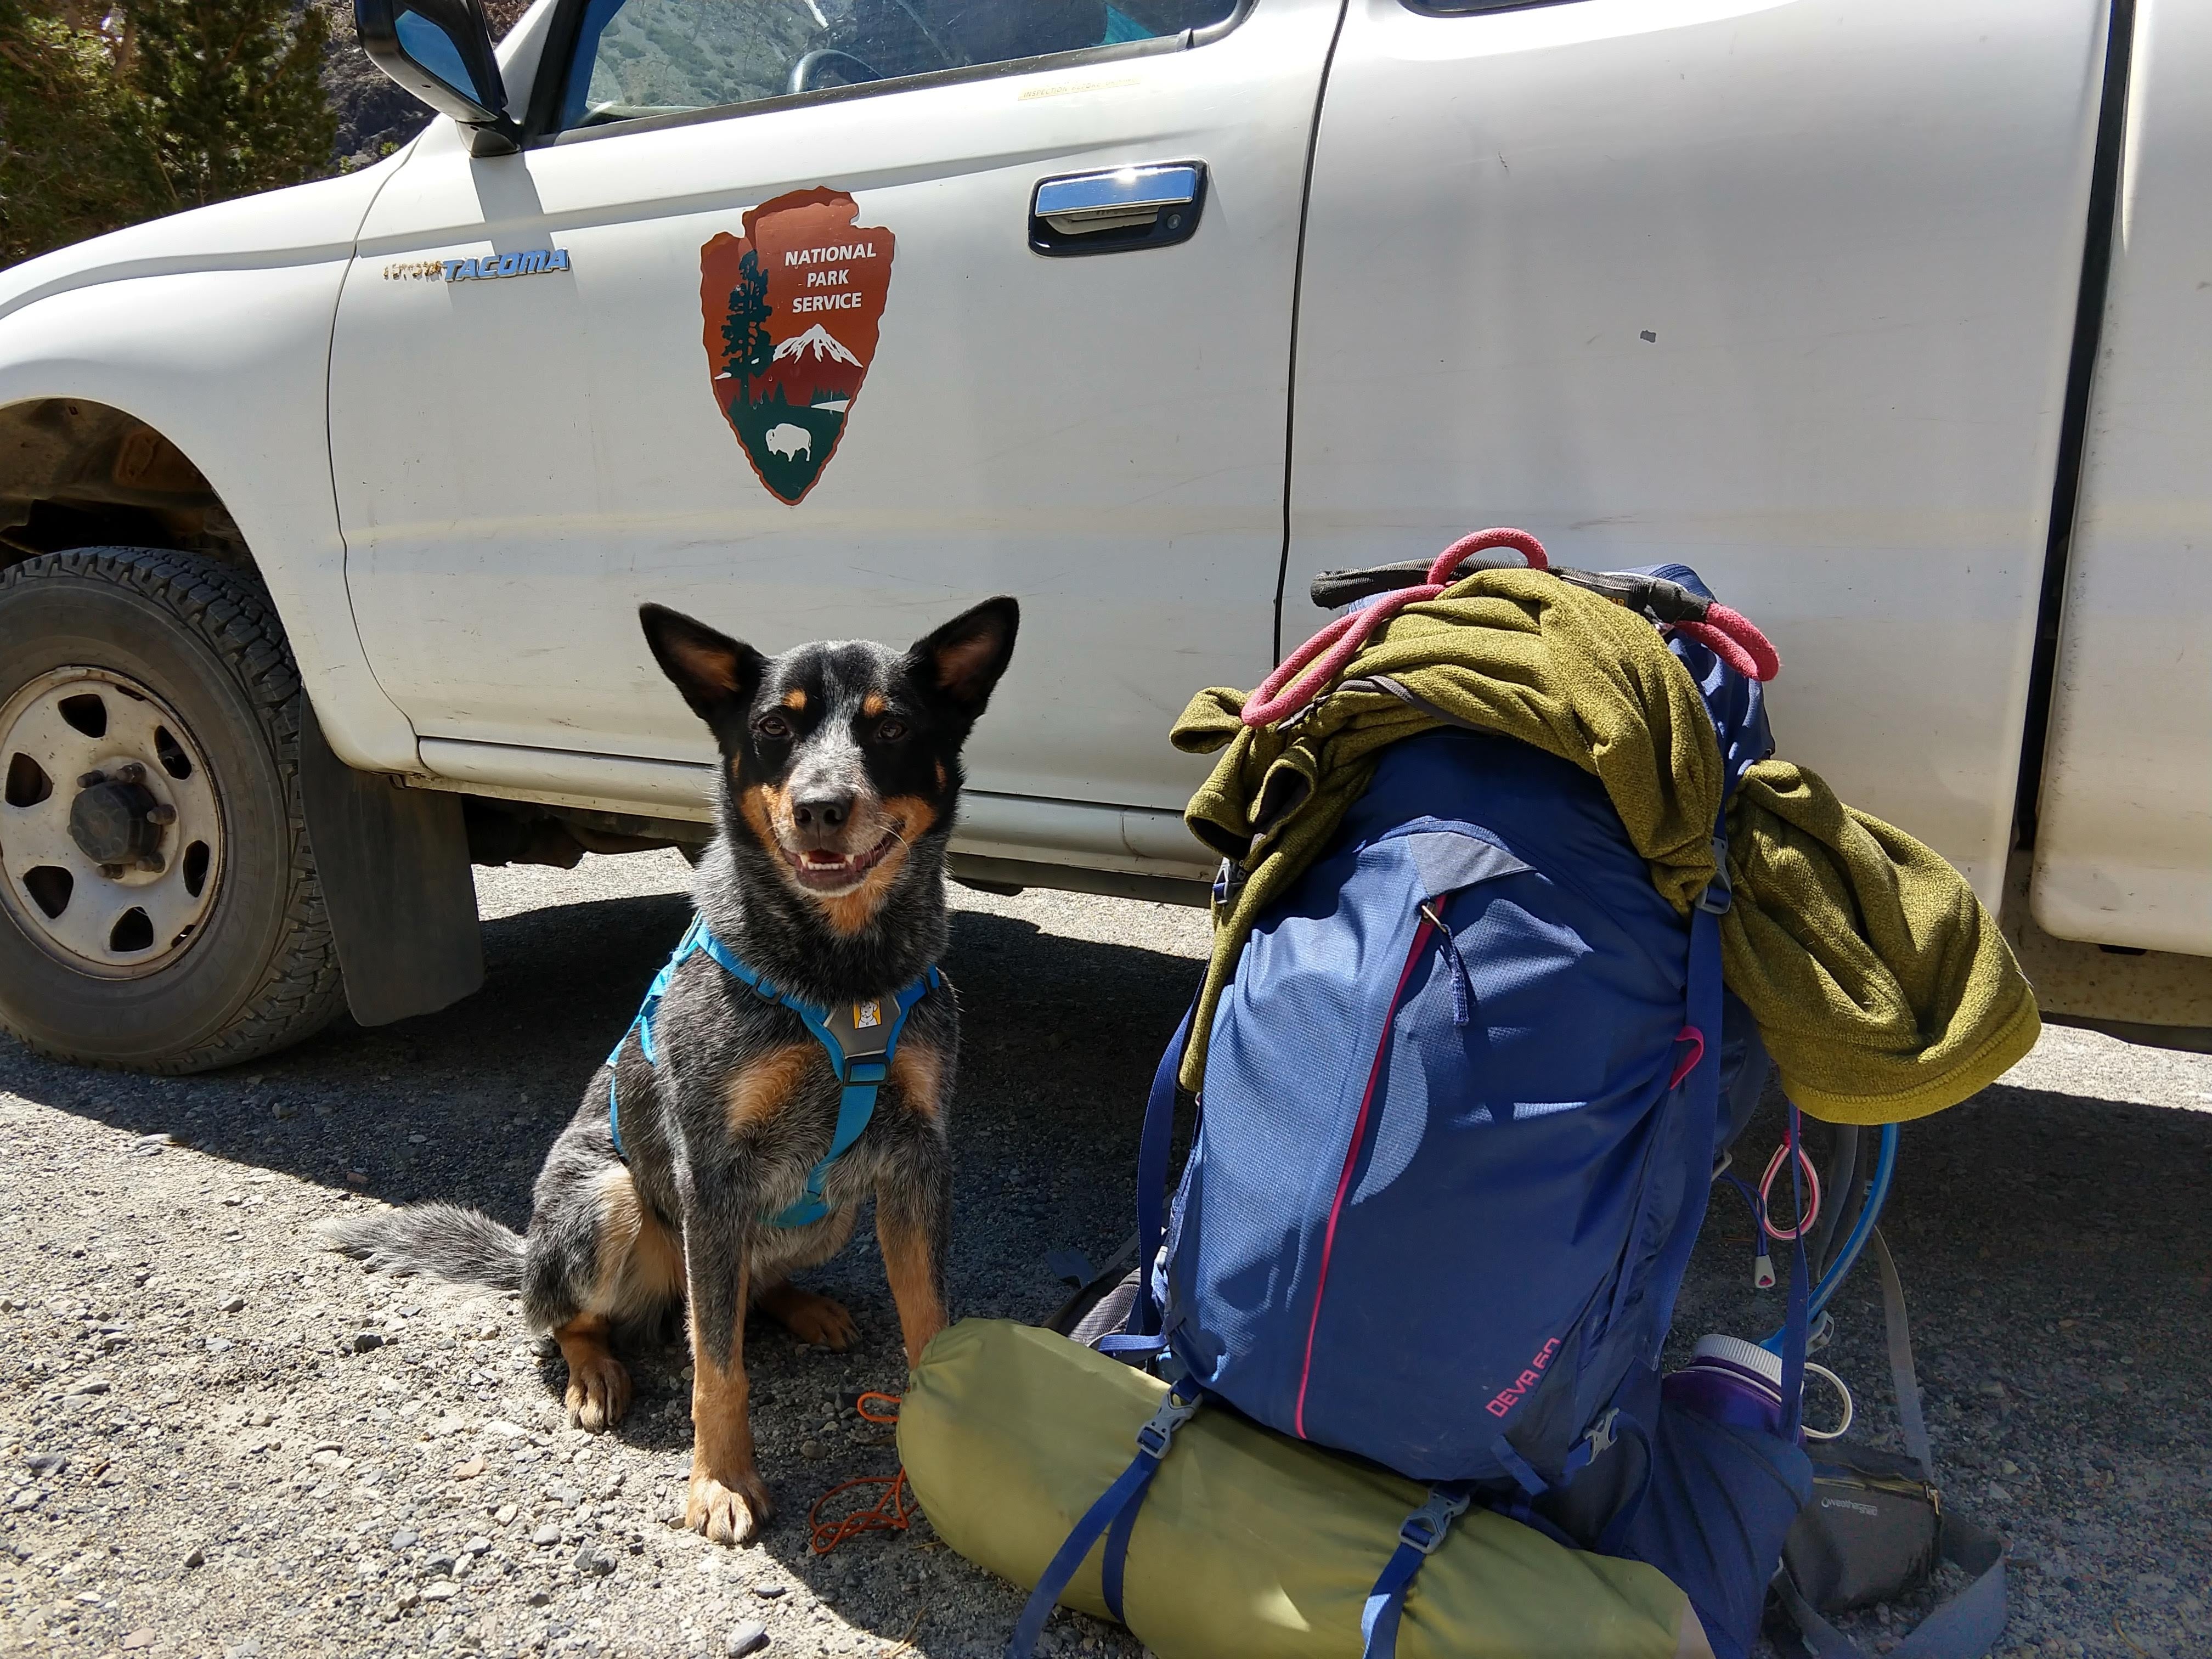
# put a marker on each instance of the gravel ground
(216, 1439)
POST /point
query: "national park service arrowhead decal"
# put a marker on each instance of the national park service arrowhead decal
(792, 308)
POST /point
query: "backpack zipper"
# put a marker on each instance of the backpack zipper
(1421, 938)
(1462, 982)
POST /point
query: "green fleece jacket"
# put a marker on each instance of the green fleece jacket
(1882, 987)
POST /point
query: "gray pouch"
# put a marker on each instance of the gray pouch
(1873, 1531)
(1876, 1527)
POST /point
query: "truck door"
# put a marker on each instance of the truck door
(826, 318)
(1781, 289)
(2124, 838)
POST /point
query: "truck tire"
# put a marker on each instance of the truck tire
(159, 905)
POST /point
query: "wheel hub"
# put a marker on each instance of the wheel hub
(111, 830)
(112, 821)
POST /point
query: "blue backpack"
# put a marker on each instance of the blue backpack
(1462, 1106)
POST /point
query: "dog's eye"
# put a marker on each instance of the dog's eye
(890, 731)
(773, 727)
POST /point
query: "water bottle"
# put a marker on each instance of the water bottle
(1730, 1381)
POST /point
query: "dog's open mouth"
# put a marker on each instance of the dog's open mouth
(821, 871)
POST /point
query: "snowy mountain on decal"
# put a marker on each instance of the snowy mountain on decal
(817, 343)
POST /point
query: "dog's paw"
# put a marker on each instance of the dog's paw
(598, 1392)
(812, 1317)
(728, 1513)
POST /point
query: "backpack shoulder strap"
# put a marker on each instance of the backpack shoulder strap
(1141, 1336)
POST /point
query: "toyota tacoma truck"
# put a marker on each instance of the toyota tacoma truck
(326, 513)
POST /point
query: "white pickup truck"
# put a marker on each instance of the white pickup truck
(327, 514)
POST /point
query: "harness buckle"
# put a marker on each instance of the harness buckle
(1602, 1434)
(1227, 881)
(1425, 1528)
(1153, 1439)
(1719, 895)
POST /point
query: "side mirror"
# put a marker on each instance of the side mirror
(440, 51)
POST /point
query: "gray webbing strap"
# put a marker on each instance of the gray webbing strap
(1909, 1418)
(1968, 1624)
(1965, 1628)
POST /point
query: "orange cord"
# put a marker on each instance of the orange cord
(892, 1511)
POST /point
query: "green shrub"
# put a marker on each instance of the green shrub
(75, 155)
(158, 104)
(237, 94)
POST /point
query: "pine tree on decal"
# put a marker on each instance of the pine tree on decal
(749, 349)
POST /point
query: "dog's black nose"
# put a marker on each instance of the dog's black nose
(822, 812)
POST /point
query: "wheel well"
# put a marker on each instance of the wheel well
(76, 473)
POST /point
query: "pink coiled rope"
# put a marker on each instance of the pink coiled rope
(1284, 692)
(1735, 639)
(1728, 634)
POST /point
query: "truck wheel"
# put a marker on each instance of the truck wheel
(159, 906)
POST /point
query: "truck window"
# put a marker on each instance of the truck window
(636, 58)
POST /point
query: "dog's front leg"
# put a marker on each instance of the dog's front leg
(728, 1501)
(913, 1207)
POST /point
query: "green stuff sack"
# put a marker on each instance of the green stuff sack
(1248, 1544)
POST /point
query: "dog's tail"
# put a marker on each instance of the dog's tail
(465, 1246)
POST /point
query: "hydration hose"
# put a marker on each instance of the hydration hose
(1885, 1167)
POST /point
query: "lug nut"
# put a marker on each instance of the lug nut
(131, 772)
(113, 872)
(91, 780)
(160, 812)
(152, 863)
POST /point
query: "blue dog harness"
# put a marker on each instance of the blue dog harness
(859, 1038)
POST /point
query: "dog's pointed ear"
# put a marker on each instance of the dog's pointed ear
(962, 659)
(716, 674)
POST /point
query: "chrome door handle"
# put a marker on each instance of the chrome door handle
(1117, 209)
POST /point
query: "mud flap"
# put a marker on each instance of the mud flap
(394, 865)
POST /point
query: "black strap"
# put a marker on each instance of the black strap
(1655, 597)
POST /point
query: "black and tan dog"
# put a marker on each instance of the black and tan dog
(841, 769)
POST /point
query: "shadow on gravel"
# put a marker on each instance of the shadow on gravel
(2052, 1244)
(461, 1104)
